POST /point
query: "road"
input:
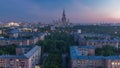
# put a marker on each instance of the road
(64, 60)
(45, 55)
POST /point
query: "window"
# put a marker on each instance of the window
(17, 60)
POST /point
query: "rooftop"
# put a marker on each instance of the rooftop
(24, 56)
(75, 56)
(35, 36)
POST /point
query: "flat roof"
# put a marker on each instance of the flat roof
(24, 56)
(75, 56)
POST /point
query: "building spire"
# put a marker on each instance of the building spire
(63, 16)
(63, 12)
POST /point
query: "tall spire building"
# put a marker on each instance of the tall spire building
(63, 22)
(63, 17)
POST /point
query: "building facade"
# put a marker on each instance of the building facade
(63, 22)
(96, 40)
(22, 41)
(26, 57)
(90, 61)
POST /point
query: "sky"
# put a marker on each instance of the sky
(78, 11)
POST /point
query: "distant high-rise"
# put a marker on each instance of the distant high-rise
(63, 22)
(63, 17)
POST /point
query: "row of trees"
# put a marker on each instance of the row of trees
(56, 44)
(107, 51)
(10, 49)
(53, 61)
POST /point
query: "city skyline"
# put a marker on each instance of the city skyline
(78, 11)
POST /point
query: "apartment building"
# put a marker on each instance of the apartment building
(26, 57)
(78, 60)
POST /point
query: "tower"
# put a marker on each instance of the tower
(63, 22)
(63, 17)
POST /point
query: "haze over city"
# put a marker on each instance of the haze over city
(78, 11)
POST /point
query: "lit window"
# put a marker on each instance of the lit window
(37, 66)
(17, 60)
(113, 63)
(118, 63)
